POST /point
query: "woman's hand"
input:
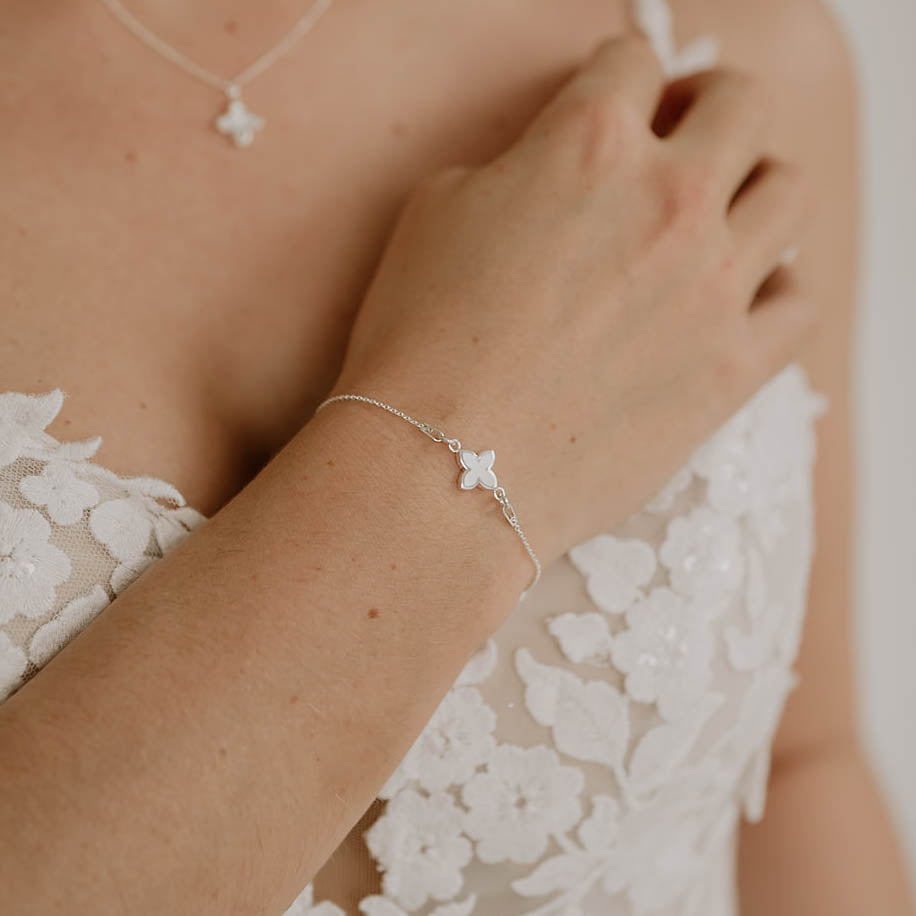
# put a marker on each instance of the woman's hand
(599, 298)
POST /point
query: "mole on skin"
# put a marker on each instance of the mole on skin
(373, 612)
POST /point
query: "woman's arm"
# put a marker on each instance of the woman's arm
(825, 845)
(211, 737)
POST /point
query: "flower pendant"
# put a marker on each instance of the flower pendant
(237, 122)
(478, 469)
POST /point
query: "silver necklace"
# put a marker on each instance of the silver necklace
(236, 121)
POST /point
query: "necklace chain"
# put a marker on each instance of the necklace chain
(270, 57)
(237, 121)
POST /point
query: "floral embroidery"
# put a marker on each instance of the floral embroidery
(648, 852)
(22, 419)
(589, 720)
(480, 665)
(582, 637)
(379, 906)
(665, 498)
(12, 666)
(615, 569)
(755, 463)
(749, 650)
(72, 619)
(304, 905)
(666, 652)
(31, 568)
(123, 526)
(65, 495)
(90, 530)
(173, 526)
(125, 573)
(456, 740)
(523, 796)
(665, 748)
(419, 847)
(703, 553)
(373, 905)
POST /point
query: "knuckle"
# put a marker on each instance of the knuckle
(603, 124)
(633, 49)
(602, 113)
(742, 84)
(748, 103)
(722, 285)
(685, 193)
(727, 286)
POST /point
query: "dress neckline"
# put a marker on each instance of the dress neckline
(24, 418)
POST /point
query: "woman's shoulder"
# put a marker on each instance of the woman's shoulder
(782, 39)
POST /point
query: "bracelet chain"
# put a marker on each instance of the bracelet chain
(454, 446)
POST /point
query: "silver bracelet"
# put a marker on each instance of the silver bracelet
(477, 469)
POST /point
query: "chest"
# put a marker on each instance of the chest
(194, 299)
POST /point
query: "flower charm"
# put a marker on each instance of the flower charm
(239, 123)
(478, 469)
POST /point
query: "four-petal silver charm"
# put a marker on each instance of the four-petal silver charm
(478, 469)
(238, 122)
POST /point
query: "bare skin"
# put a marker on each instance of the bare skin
(148, 322)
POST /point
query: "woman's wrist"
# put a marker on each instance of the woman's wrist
(390, 468)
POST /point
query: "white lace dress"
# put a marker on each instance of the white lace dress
(596, 754)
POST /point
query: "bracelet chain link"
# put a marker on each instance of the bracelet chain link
(455, 447)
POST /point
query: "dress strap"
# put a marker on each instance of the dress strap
(655, 19)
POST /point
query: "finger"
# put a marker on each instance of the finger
(628, 66)
(625, 68)
(721, 120)
(782, 321)
(767, 218)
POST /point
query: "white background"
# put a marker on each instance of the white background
(883, 35)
